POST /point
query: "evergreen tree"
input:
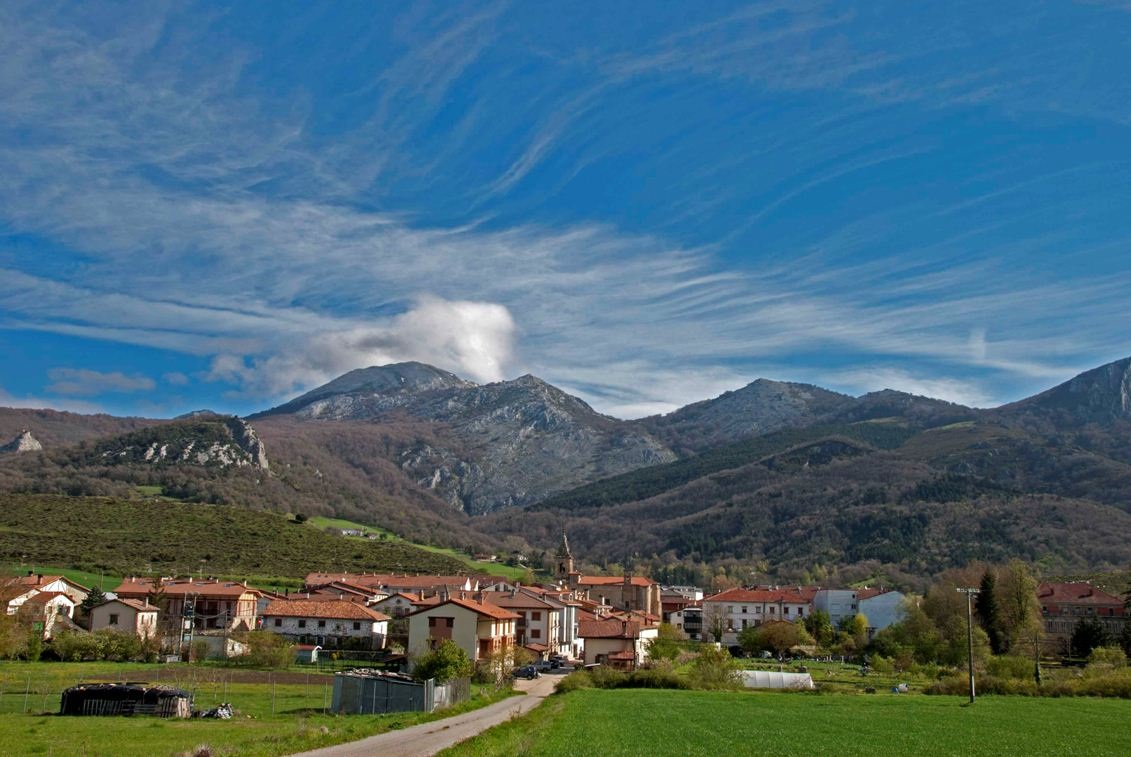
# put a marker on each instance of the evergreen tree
(94, 598)
(1089, 635)
(987, 611)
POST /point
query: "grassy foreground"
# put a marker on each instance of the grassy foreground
(664, 722)
(277, 713)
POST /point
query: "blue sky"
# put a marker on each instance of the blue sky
(644, 203)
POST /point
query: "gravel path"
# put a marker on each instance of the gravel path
(430, 738)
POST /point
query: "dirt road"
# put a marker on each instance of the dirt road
(430, 738)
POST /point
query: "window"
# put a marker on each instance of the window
(113, 618)
(357, 625)
(278, 622)
(744, 609)
(786, 611)
(302, 624)
(773, 610)
(321, 624)
(536, 633)
(536, 615)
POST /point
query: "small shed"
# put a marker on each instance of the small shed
(772, 679)
(126, 699)
(307, 654)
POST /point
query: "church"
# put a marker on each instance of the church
(622, 593)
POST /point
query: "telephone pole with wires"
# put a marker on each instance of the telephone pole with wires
(970, 594)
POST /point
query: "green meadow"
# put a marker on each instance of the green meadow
(667, 722)
(277, 712)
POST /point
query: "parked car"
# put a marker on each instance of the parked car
(526, 671)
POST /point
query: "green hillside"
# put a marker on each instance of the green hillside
(119, 537)
(657, 479)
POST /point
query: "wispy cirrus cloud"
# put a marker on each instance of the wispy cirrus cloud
(85, 382)
(203, 215)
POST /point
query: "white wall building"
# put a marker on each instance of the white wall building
(327, 623)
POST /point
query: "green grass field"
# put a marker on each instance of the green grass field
(273, 718)
(475, 566)
(659, 722)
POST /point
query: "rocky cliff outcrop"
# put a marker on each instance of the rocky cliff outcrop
(24, 442)
(222, 441)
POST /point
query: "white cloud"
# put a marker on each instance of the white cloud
(472, 339)
(85, 382)
(872, 379)
(31, 402)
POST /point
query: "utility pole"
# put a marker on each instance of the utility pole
(969, 592)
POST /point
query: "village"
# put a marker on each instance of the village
(392, 619)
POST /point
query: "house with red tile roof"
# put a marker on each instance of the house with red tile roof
(50, 612)
(390, 583)
(329, 623)
(134, 616)
(481, 629)
(1063, 605)
(733, 610)
(215, 605)
(55, 583)
(538, 625)
(621, 644)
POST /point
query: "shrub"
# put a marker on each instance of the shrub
(1107, 658)
(882, 664)
(714, 669)
(444, 663)
(1010, 666)
(266, 650)
(76, 646)
(578, 679)
(118, 646)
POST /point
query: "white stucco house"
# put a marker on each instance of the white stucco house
(479, 628)
(329, 623)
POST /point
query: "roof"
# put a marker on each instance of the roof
(139, 588)
(539, 648)
(36, 579)
(609, 629)
(759, 595)
(140, 606)
(516, 599)
(1078, 593)
(368, 580)
(863, 594)
(482, 608)
(8, 593)
(44, 597)
(333, 609)
(614, 581)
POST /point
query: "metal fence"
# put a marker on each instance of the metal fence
(364, 694)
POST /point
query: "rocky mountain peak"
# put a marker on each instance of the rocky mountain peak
(23, 442)
(367, 392)
(1100, 395)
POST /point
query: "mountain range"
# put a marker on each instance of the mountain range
(791, 478)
